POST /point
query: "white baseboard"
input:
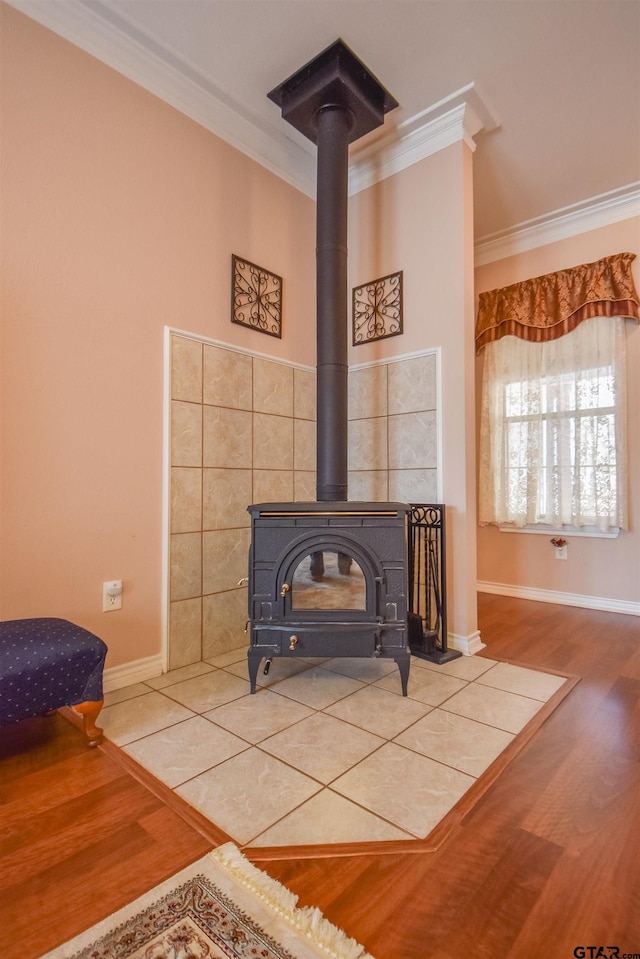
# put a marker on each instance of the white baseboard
(467, 645)
(562, 599)
(117, 677)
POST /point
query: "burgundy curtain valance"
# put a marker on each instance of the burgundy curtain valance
(547, 307)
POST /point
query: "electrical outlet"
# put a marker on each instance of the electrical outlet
(561, 552)
(111, 595)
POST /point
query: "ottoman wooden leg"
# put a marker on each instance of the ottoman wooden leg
(89, 712)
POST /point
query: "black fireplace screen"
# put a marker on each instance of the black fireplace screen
(427, 615)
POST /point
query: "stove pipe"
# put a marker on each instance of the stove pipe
(333, 100)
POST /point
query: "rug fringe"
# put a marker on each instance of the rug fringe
(308, 919)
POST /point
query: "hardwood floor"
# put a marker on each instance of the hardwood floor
(547, 860)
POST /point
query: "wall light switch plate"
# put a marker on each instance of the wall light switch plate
(561, 552)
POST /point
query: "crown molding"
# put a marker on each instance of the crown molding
(591, 214)
(101, 31)
(458, 117)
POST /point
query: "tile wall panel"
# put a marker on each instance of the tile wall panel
(272, 388)
(186, 369)
(227, 378)
(243, 430)
(233, 422)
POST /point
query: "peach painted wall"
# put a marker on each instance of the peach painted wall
(420, 221)
(603, 568)
(119, 217)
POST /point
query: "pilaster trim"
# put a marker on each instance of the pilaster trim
(467, 645)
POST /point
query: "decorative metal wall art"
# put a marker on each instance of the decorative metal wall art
(256, 297)
(377, 309)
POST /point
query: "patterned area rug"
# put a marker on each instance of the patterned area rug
(221, 907)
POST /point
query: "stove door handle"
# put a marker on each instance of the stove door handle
(285, 589)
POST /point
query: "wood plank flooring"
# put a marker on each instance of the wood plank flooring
(547, 860)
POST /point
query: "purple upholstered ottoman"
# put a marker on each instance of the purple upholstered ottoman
(48, 663)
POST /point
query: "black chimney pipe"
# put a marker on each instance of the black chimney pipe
(334, 124)
(333, 100)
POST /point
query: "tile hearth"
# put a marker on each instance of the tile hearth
(326, 751)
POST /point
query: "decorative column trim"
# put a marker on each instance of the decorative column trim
(467, 645)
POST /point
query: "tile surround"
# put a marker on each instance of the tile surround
(242, 430)
(368, 392)
(304, 394)
(326, 751)
(186, 499)
(227, 437)
(228, 378)
(186, 369)
(225, 496)
(272, 486)
(368, 449)
(272, 388)
(186, 434)
(185, 622)
(412, 384)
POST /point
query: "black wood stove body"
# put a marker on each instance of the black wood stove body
(328, 579)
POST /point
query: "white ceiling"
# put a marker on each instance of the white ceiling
(558, 80)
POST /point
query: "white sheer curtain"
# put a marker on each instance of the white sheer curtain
(553, 430)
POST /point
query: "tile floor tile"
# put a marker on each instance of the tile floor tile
(207, 691)
(379, 711)
(365, 670)
(281, 668)
(255, 717)
(248, 793)
(127, 692)
(456, 741)
(412, 791)
(237, 655)
(135, 718)
(464, 667)
(494, 707)
(328, 818)
(318, 687)
(524, 682)
(185, 750)
(178, 675)
(321, 746)
(426, 686)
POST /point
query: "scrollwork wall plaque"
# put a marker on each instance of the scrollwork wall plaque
(377, 309)
(256, 297)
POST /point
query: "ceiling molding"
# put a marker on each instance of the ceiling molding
(101, 32)
(459, 117)
(592, 214)
(95, 30)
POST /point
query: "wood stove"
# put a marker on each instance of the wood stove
(330, 578)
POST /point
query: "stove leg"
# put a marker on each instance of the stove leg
(254, 658)
(404, 662)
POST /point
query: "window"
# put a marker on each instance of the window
(553, 433)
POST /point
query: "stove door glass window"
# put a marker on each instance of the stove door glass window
(328, 580)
